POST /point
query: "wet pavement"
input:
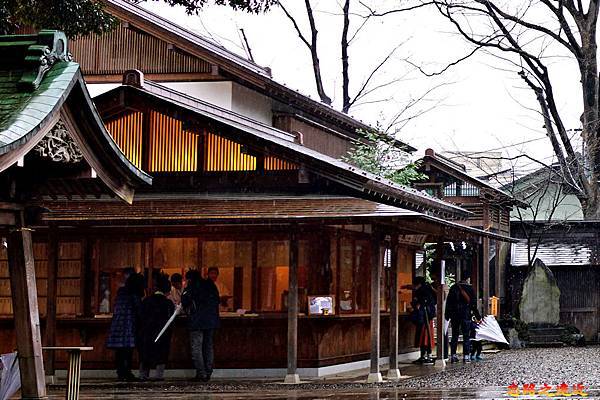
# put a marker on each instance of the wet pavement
(488, 379)
(366, 393)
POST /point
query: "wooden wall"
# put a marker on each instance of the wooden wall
(128, 48)
(241, 342)
(319, 139)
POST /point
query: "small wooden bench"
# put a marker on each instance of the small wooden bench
(74, 371)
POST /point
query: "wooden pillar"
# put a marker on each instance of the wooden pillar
(26, 314)
(486, 275)
(394, 372)
(51, 298)
(374, 374)
(292, 336)
(440, 317)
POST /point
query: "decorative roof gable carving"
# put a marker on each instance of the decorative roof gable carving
(59, 146)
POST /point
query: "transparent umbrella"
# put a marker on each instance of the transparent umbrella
(489, 330)
(10, 381)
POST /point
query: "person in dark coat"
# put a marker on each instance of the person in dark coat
(200, 300)
(424, 302)
(154, 314)
(461, 306)
(123, 329)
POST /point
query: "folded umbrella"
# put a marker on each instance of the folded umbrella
(489, 330)
(169, 322)
(10, 381)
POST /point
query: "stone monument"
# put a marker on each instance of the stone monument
(540, 300)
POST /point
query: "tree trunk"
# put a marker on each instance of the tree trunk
(345, 66)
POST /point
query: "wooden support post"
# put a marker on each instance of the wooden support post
(51, 298)
(26, 315)
(440, 318)
(486, 275)
(292, 336)
(393, 371)
(374, 374)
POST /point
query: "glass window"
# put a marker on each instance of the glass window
(174, 255)
(234, 262)
(273, 274)
(355, 275)
(114, 260)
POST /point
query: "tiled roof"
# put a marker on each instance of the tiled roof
(38, 82)
(554, 252)
(234, 208)
(23, 110)
(245, 208)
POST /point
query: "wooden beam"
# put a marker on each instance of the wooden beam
(374, 374)
(26, 314)
(393, 371)
(292, 334)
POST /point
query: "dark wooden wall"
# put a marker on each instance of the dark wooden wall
(241, 342)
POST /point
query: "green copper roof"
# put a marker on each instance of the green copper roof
(37, 81)
(23, 111)
(35, 76)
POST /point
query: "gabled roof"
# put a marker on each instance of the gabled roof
(458, 172)
(38, 85)
(237, 66)
(370, 186)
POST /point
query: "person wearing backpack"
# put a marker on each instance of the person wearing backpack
(461, 305)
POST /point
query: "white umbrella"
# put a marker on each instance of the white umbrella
(10, 382)
(169, 322)
(489, 330)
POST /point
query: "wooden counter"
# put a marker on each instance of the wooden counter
(241, 342)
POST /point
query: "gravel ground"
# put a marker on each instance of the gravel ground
(553, 366)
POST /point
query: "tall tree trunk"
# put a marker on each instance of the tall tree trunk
(345, 66)
(315, 55)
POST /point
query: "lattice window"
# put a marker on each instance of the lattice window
(126, 130)
(222, 154)
(277, 164)
(172, 148)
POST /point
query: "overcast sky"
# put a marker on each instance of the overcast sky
(477, 105)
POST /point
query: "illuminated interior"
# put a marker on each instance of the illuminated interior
(126, 130)
(173, 148)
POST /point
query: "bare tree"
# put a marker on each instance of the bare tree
(523, 34)
(311, 42)
(529, 35)
(541, 194)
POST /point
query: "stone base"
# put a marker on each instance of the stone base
(393, 374)
(292, 379)
(374, 377)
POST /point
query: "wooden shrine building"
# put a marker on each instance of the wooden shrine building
(490, 211)
(287, 226)
(52, 142)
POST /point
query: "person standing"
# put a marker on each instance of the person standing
(122, 336)
(424, 303)
(224, 294)
(156, 311)
(176, 289)
(200, 300)
(461, 305)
